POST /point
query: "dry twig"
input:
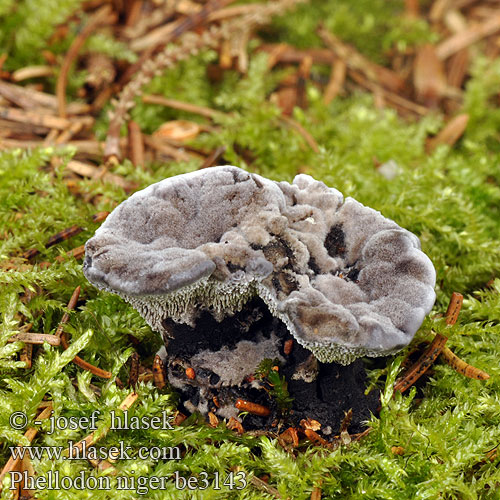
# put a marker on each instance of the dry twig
(467, 37)
(263, 486)
(422, 364)
(136, 144)
(35, 338)
(97, 19)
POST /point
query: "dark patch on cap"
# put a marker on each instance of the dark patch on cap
(335, 241)
(313, 266)
(353, 274)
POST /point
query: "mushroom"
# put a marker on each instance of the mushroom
(346, 281)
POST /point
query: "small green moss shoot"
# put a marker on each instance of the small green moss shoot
(275, 384)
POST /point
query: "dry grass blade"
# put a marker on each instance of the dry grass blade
(26, 466)
(237, 10)
(160, 145)
(76, 253)
(100, 216)
(62, 335)
(93, 172)
(99, 372)
(439, 9)
(315, 438)
(400, 103)
(32, 72)
(63, 235)
(458, 67)
(282, 53)
(28, 98)
(178, 130)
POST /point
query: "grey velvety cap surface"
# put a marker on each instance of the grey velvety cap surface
(345, 280)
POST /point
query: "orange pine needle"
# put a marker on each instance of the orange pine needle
(422, 364)
(253, 408)
(158, 373)
(462, 367)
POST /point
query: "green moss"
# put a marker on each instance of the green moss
(27, 25)
(450, 198)
(372, 26)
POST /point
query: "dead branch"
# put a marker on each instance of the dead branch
(454, 308)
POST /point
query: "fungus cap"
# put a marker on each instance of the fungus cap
(345, 280)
